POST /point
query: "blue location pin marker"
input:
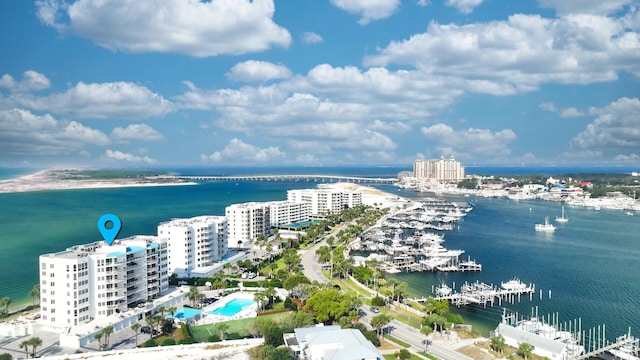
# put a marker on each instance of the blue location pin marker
(109, 234)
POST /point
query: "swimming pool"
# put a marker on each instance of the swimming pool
(233, 307)
(185, 313)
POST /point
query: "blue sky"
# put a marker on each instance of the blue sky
(124, 83)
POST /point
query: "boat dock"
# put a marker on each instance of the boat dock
(565, 340)
(485, 294)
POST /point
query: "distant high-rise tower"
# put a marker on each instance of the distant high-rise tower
(441, 170)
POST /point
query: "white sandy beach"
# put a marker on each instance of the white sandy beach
(50, 180)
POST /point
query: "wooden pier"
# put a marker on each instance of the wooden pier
(484, 294)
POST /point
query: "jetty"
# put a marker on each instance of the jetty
(484, 294)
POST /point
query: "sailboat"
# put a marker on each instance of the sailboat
(563, 218)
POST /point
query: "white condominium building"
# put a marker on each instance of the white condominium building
(247, 221)
(441, 170)
(194, 243)
(91, 280)
(288, 212)
(323, 201)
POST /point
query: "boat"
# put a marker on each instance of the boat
(563, 218)
(628, 213)
(546, 227)
(443, 290)
(514, 285)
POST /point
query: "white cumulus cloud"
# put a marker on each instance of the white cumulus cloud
(369, 10)
(615, 130)
(101, 100)
(237, 151)
(468, 143)
(31, 81)
(521, 53)
(309, 38)
(258, 71)
(122, 156)
(25, 133)
(596, 7)
(196, 28)
(464, 6)
(136, 132)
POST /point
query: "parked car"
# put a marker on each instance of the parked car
(374, 309)
(145, 330)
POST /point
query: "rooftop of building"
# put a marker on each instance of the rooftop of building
(193, 220)
(117, 248)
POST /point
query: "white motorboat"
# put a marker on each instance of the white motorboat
(546, 227)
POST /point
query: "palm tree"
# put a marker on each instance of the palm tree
(171, 310)
(4, 302)
(222, 327)
(25, 345)
(497, 343)
(98, 338)
(525, 349)
(35, 343)
(35, 293)
(152, 322)
(261, 298)
(193, 295)
(136, 328)
(162, 310)
(105, 334)
(380, 321)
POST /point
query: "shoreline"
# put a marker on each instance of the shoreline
(49, 180)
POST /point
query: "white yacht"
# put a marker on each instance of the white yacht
(563, 218)
(546, 227)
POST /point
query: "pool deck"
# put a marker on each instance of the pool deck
(246, 312)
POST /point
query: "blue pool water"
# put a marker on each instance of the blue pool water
(185, 313)
(232, 307)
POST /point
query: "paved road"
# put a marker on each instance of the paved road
(308, 258)
(401, 331)
(312, 269)
(413, 337)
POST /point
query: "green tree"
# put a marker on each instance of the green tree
(152, 321)
(222, 327)
(35, 343)
(380, 321)
(35, 293)
(6, 356)
(136, 328)
(328, 304)
(193, 295)
(261, 298)
(402, 354)
(105, 335)
(98, 338)
(25, 345)
(171, 310)
(293, 280)
(525, 349)
(497, 343)
(5, 302)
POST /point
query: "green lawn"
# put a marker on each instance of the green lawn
(393, 357)
(202, 332)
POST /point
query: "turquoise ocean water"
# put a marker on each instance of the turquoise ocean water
(590, 264)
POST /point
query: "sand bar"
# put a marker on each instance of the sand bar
(55, 179)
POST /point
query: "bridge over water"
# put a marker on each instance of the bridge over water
(297, 178)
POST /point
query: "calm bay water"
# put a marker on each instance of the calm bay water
(590, 264)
